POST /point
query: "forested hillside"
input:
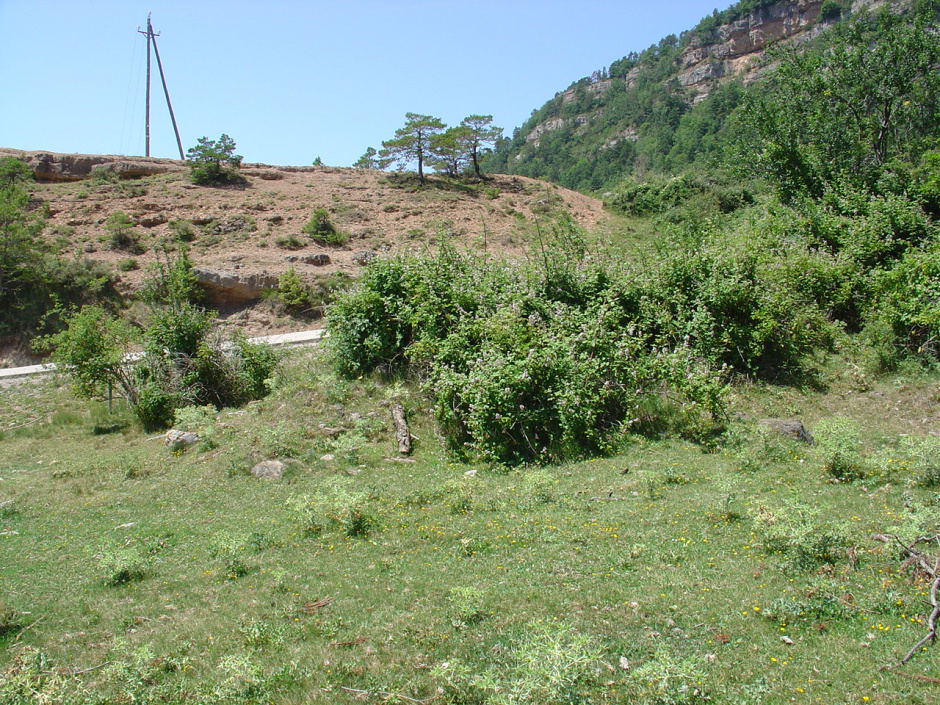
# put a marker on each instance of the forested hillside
(665, 108)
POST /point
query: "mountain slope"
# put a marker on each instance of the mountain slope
(665, 107)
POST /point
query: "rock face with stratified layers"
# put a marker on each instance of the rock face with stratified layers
(229, 286)
(51, 166)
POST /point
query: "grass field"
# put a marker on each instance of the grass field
(743, 571)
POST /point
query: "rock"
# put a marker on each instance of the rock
(232, 286)
(317, 260)
(364, 257)
(328, 457)
(791, 428)
(269, 470)
(152, 220)
(178, 440)
(51, 166)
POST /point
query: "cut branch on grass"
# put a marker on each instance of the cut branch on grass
(916, 557)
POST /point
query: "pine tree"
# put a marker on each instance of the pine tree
(413, 141)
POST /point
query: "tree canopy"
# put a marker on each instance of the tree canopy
(413, 141)
(845, 113)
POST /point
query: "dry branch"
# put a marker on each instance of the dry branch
(919, 558)
(315, 606)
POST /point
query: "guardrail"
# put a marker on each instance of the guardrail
(304, 337)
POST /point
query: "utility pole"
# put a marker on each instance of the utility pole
(152, 39)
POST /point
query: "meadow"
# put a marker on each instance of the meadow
(742, 570)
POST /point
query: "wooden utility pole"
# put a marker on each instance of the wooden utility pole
(152, 39)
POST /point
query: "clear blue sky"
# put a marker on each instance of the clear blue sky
(293, 80)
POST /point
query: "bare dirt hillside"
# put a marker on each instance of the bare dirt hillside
(243, 238)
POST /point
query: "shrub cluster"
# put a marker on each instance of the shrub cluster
(34, 278)
(322, 231)
(183, 364)
(524, 362)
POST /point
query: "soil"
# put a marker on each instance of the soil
(257, 227)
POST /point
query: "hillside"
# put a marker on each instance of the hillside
(242, 239)
(666, 107)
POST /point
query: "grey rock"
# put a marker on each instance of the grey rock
(178, 440)
(269, 470)
(364, 257)
(318, 260)
(227, 286)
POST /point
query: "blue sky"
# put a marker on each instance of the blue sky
(292, 80)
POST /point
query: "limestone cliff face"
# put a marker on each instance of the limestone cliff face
(740, 45)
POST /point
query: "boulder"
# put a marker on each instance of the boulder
(791, 428)
(318, 260)
(224, 286)
(269, 470)
(178, 440)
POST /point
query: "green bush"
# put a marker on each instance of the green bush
(523, 363)
(334, 507)
(183, 230)
(838, 445)
(549, 663)
(800, 535)
(123, 231)
(231, 550)
(36, 281)
(214, 162)
(321, 229)
(183, 362)
(292, 292)
(122, 565)
(667, 679)
(903, 319)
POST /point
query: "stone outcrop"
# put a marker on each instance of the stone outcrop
(741, 44)
(226, 286)
(51, 166)
(736, 50)
(177, 440)
(320, 259)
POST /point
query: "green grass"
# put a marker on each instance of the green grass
(649, 566)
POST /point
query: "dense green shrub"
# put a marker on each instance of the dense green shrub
(321, 229)
(292, 292)
(739, 301)
(904, 316)
(123, 232)
(523, 363)
(184, 362)
(800, 534)
(35, 281)
(214, 162)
